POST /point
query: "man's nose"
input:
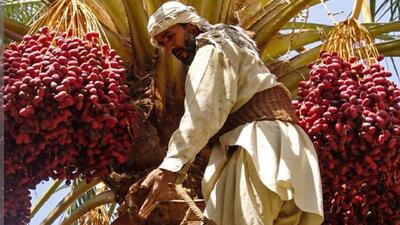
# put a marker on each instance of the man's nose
(169, 50)
(169, 46)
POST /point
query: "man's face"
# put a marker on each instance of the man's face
(180, 41)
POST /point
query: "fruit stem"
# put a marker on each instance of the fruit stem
(356, 9)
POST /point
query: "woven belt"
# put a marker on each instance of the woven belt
(271, 104)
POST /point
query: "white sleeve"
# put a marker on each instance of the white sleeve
(211, 90)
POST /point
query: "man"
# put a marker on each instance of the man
(263, 169)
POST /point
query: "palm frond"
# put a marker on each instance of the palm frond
(116, 11)
(111, 210)
(272, 22)
(83, 198)
(47, 194)
(366, 10)
(97, 214)
(287, 42)
(93, 203)
(388, 8)
(150, 6)
(23, 11)
(142, 50)
(395, 67)
(100, 12)
(372, 5)
(81, 189)
(14, 29)
(313, 33)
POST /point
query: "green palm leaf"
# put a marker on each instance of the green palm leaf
(23, 11)
(81, 189)
(390, 8)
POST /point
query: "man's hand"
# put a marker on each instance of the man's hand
(156, 181)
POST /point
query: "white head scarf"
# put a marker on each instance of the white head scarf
(171, 13)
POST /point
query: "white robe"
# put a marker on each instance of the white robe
(220, 80)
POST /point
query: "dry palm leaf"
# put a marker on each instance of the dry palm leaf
(97, 216)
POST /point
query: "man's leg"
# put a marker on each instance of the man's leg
(274, 210)
(239, 197)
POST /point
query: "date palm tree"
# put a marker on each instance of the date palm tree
(158, 79)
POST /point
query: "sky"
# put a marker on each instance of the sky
(317, 14)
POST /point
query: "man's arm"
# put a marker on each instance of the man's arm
(211, 90)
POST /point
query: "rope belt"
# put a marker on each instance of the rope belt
(271, 104)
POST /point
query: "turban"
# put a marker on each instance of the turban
(171, 13)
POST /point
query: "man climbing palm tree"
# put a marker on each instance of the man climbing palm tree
(263, 169)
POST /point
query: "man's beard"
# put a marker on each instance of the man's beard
(189, 48)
